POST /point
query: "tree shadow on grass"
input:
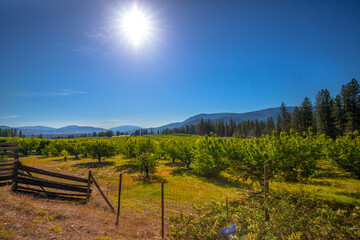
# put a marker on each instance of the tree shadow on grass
(225, 182)
(174, 164)
(180, 171)
(153, 179)
(94, 164)
(128, 168)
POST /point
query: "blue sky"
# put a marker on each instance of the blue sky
(66, 62)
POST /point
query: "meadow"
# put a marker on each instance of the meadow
(200, 175)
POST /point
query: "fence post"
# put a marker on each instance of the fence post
(227, 209)
(88, 188)
(162, 210)
(16, 173)
(266, 190)
(119, 195)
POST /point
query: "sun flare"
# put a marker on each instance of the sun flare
(136, 26)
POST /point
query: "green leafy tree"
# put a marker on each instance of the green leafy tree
(101, 148)
(146, 157)
(65, 154)
(346, 152)
(27, 145)
(209, 156)
(185, 153)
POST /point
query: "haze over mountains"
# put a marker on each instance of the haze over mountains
(77, 130)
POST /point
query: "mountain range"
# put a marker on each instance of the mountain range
(77, 130)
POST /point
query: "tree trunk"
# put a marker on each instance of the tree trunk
(99, 159)
(147, 173)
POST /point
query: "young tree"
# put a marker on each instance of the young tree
(209, 156)
(146, 149)
(185, 153)
(28, 145)
(101, 148)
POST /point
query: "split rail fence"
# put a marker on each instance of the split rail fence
(39, 182)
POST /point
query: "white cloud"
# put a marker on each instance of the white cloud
(11, 116)
(59, 92)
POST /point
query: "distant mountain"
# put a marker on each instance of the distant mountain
(74, 129)
(237, 117)
(125, 128)
(38, 128)
(77, 130)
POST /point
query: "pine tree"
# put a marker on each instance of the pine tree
(338, 115)
(306, 115)
(324, 113)
(270, 126)
(295, 120)
(283, 121)
(351, 99)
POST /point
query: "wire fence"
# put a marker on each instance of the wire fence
(148, 202)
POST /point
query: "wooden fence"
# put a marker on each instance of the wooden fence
(6, 164)
(34, 181)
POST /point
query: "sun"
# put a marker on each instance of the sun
(136, 25)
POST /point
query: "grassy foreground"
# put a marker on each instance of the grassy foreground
(23, 217)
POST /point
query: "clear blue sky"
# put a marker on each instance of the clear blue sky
(65, 62)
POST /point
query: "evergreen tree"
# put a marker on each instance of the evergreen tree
(351, 99)
(283, 121)
(295, 120)
(323, 107)
(306, 115)
(338, 115)
(270, 126)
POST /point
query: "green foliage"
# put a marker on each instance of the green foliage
(146, 157)
(172, 150)
(128, 147)
(74, 148)
(345, 151)
(27, 145)
(292, 216)
(185, 151)
(49, 150)
(209, 156)
(65, 154)
(98, 149)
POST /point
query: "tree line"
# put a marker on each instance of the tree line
(332, 116)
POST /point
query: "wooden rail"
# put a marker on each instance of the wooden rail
(7, 166)
(23, 181)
